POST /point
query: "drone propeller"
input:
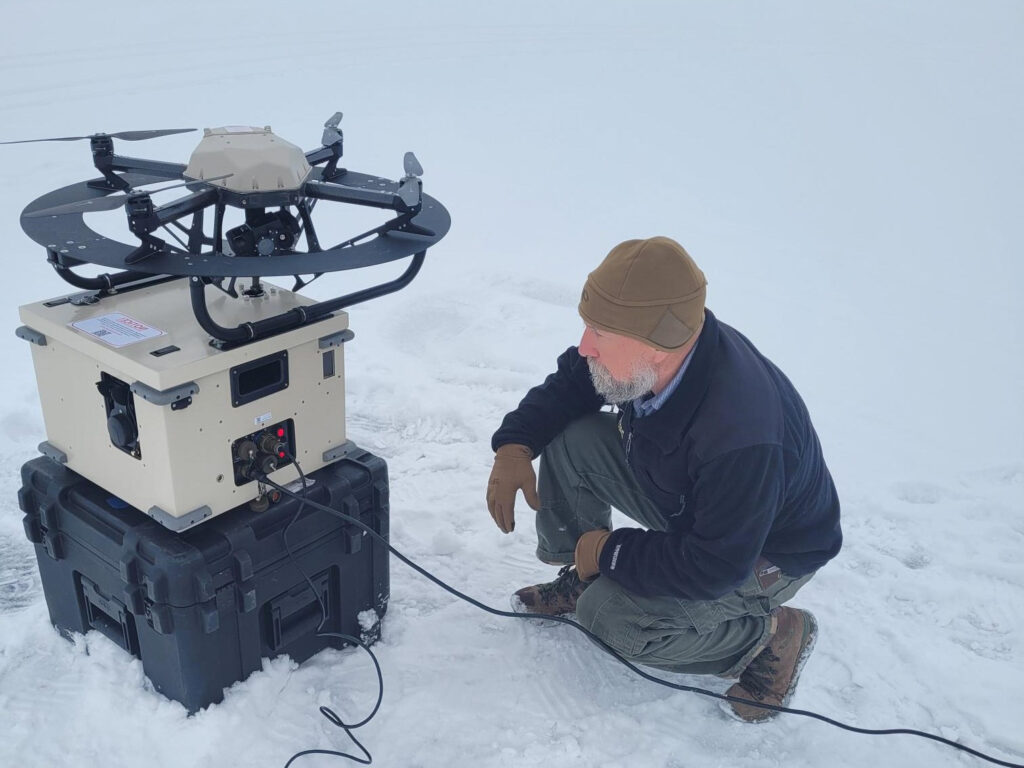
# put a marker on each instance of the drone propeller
(111, 202)
(412, 165)
(332, 134)
(125, 135)
(410, 188)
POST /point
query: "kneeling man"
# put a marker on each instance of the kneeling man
(711, 451)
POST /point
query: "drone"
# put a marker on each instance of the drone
(273, 181)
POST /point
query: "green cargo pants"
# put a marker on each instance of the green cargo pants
(583, 473)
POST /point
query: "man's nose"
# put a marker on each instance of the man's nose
(587, 348)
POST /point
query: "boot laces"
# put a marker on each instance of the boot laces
(758, 677)
(565, 585)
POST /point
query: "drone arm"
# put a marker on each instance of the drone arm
(321, 155)
(144, 219)
(189, 204)
(330, 154)
(354, 195)
(107, 163)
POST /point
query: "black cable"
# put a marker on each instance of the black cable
(611, 651)
(327, 711)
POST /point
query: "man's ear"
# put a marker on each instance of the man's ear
(658, 357)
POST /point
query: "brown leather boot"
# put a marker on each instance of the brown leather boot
(772, 676)
(554, 598)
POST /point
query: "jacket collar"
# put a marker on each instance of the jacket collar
(668, 424)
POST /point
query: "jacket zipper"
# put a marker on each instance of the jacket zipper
(626, 423)
(629, 440)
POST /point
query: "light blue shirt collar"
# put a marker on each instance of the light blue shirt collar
(648, 404)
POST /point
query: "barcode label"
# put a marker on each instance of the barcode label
(117, 329)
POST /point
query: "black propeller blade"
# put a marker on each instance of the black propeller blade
(412, 165)
(125, 135)
(332, 134)
(96, 204)
(143, 135)
(110, 202)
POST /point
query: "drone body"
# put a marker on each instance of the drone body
(273, 182)
(246, 159)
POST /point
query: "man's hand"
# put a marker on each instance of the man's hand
(512, 471)
(588, 553)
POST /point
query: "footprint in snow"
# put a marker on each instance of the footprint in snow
(1010, 474)
(922, 493)
(994, 651)
(916, 559)
(913, 557)
(443, 429)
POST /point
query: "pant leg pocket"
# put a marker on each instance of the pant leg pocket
(704, 615)
(610, 615)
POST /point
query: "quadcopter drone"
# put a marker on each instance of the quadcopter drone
(274, 182)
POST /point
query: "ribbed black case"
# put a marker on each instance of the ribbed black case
(201, 608)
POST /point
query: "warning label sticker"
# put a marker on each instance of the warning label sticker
(117, 329)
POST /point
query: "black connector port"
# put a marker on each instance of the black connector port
(264, 451)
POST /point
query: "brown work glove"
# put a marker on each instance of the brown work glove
(512, 471)
(588, 553)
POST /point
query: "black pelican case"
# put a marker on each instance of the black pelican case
(201, 608)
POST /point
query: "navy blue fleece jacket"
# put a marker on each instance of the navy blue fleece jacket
(731, 459)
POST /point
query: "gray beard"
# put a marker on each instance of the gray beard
(641, 381)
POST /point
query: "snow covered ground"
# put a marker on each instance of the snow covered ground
(847, 175)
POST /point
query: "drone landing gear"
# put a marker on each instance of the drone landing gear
(151, 246)
(106, 283)
(226, 338)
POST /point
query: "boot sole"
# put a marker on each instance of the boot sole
(810, 638)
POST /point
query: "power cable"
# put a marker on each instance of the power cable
(348, 728)
(327, 712)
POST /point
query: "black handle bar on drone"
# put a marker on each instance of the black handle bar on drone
(293, 318)
(104, 283)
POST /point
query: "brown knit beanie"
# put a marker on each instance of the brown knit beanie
(647, 289)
